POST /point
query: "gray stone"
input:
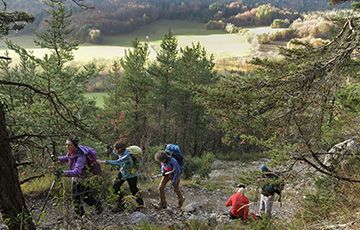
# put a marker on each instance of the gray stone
(138, 217)
(192, 207)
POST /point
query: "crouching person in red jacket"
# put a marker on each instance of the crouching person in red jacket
(239, 205)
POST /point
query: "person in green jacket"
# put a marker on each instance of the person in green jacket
(127, 173)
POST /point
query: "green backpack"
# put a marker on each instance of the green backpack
(136, 154)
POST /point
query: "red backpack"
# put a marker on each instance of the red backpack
(93, 165)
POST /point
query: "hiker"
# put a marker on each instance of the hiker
(80, 189)
(239, 204)
(270, 186)
(127, 172)
(173, 150)
(170, 170)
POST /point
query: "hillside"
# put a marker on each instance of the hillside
(113, 17)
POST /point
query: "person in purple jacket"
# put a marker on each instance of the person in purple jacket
(77, 171)
(170, 170)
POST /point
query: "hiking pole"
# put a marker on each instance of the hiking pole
(46, 199)
(160, 174)
(245, 205)
(52, 183)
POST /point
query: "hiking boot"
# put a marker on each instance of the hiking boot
(139, 208)
(80, 211)
(118, 209)
(162, 206)
(181, 202)
(99, 209)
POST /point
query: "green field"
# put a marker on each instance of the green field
(98, 97)
(216, 42)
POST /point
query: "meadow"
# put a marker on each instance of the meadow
(216, 42)
(98, 97)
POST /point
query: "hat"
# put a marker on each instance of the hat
(263, 168)
(241, 188)
(75, 140)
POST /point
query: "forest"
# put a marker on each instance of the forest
(297, 112)
(122, 16)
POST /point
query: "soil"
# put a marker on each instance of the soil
(201, 203)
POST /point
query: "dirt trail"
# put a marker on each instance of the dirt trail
(200, 203)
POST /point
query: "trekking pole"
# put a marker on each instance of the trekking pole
(52, 183)
(245, 205)
(160, 174)
(46, 199)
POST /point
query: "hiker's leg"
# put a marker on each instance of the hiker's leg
(77, 191)
(163, 182)
(177, 190)
(118, 182)
(89, 196)
(268, 205)
(262, 204)
(232, 217)
(134, 190)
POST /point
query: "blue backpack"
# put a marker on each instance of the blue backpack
(175, 152)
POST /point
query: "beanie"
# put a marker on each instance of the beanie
(263, 168)
(75, 140)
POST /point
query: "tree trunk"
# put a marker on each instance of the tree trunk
(12, 202)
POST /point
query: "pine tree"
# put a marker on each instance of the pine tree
(163, 73)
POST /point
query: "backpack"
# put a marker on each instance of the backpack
(136, 154)
(175, 153)
(93, 165)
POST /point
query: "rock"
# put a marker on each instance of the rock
(213, 219)
(138, 217)
(3, 227)
(192, 207)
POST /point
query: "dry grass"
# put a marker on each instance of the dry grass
(339, 209)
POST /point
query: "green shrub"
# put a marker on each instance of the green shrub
(215, 25)
(280, 23)
(199, 165)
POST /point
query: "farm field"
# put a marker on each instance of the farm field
(98, 97)
(216, 42)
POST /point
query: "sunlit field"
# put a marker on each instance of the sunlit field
(215, 42)
(98, 97)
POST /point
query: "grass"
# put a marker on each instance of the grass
(98, 97)
(244, 157)
(38, 186)
(156, 30)
(215, 42)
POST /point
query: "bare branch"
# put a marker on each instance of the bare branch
(58, 105)
(31, 178)
(80, 3)
(5, 58)
(24, 163)
(40, 136)
(4, 3)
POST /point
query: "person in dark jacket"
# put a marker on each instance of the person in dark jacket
(127, 173)
(170, 170)
(81, 190)
(270, 187)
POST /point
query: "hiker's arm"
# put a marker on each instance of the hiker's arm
(121, 161)
(79, 167)
(63, 159)
(246, 212)
(228, 203)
